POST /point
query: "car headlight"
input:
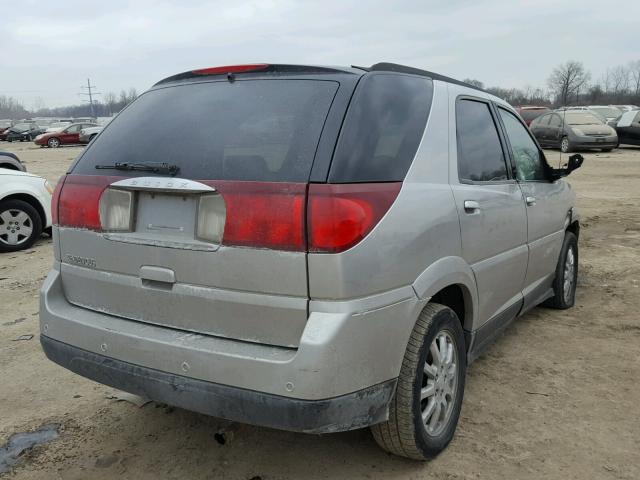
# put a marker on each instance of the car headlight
(578, 132)
(39, 137)
(48, 186)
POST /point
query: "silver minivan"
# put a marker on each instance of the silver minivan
(307, 248)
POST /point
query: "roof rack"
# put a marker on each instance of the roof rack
(394, 67)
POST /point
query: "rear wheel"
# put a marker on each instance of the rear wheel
(20, 225)
(53, 142)
(565, 145)
(424, 411)
(564, 285)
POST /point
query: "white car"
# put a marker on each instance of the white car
(25, 209)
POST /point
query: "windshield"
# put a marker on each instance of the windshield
(264, 130)
(21, 127)
(580, 118)
(607, 112)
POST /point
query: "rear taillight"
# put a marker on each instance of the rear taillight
(78, 200)
(263, 214)
(340, 215)
(251, 67)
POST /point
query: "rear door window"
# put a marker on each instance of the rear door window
(382, 128)
(480, 155)
(255, 130)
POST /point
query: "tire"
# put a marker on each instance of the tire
(565, 145)
(563, 299)
(53, 142)
(26, 216)
(404, 433)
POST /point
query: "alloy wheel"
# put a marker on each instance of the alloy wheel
(439, 383)
(569, 275)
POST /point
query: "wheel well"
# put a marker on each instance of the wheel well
(25, 197)
(574, 228)
(454, 297)
(8, 166)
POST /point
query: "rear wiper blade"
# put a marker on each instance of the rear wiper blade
(163, 168)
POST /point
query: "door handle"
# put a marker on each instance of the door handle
(471, 206)
(531, 201)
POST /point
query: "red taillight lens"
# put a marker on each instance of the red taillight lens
(340, 215)
(79, 199)
(252, 67)
(263, 214)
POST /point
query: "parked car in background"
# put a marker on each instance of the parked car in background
(67, 136)
(573, 129)
(57, 126)
(89, 133)
(170, 228)
(609, 113)
(25, 209)
(530, 112)
(10, 161)
(5, 125)
(626, 108)
(628, 127)
(23, 132)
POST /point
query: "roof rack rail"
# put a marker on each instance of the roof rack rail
(394, 67)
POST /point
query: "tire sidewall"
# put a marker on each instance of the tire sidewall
(447, 320)
(35, 220)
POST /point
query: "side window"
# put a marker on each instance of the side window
(637, 119)
(74, 129)
(529, 162)
(480, 156)
(382, 129)
(555, 121)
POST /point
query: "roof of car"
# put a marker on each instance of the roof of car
(233, 70)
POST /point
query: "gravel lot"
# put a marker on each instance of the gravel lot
(557, 396)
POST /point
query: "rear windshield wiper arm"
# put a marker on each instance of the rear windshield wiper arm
(164, 168)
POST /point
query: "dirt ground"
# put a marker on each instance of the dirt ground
(557, 396)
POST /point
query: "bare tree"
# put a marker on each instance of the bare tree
(619, 80)
(133, 94)
(567, 81)
(110, 101)
(634, 71)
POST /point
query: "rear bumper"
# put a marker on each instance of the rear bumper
(350, 353)
(347, 412)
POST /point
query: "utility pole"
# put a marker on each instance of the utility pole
(90, 93)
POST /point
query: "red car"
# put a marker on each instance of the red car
(67, 136)
(4, 126)
(530, 113)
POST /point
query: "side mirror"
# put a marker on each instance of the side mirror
(575, 162)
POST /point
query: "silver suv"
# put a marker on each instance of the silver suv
(306, 248)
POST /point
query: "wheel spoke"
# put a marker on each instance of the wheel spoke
(427, 391)
(26, 230)
(6, 217)
(21, 217)
(435, 418)
(12, 238)
(428, 411)
(435, 353)
(430, 371)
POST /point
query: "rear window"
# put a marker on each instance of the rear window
(382, 129)
(265, 130)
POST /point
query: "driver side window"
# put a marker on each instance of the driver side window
(529, 161)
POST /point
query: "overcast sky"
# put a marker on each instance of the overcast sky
(48, 49)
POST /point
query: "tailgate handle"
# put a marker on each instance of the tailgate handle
(157, 274)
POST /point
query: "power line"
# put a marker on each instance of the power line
(90, 93)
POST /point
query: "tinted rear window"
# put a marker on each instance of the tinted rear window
(382, 129)
(265, 130)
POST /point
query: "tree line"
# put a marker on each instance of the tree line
(570, 83)
(110, 104)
